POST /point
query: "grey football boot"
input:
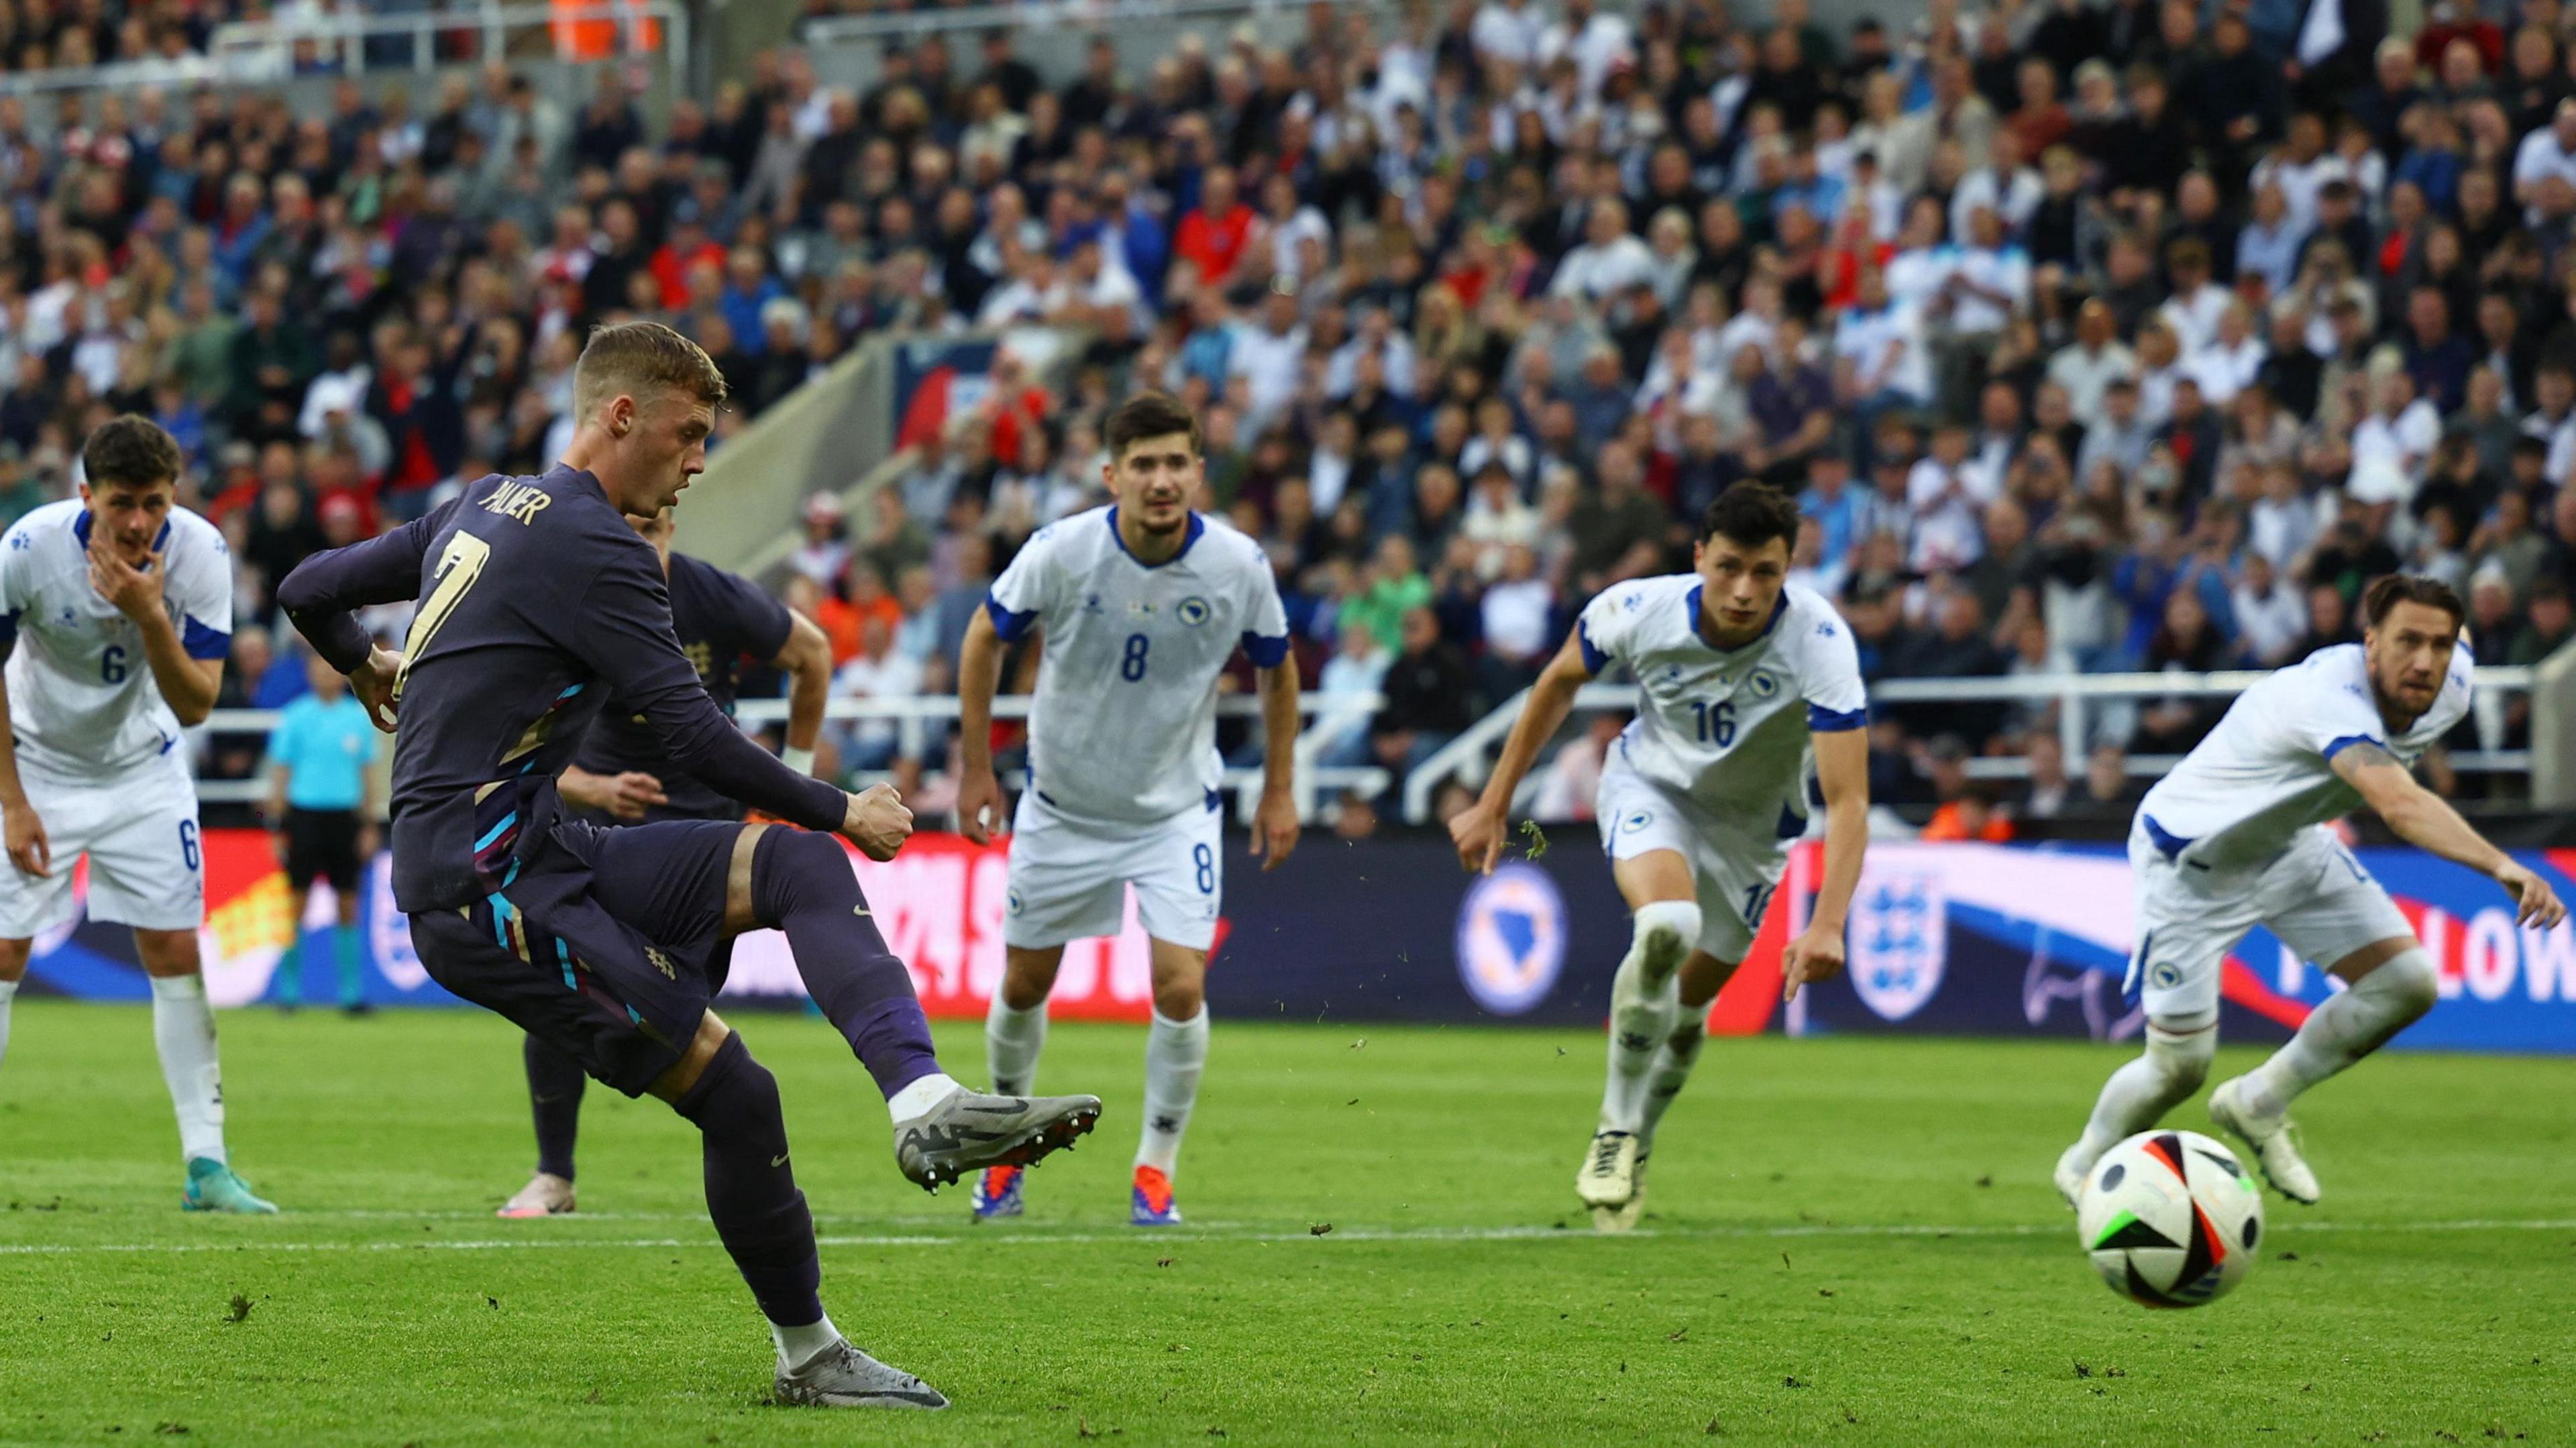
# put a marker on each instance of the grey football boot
(970, 1131)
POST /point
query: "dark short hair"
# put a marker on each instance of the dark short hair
(2386, 593)
(1750, 514)
(1148, 414)
(130, 451)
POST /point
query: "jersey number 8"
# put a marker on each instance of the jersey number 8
(1131, 666)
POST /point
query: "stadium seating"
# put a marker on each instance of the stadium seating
(2092, 338)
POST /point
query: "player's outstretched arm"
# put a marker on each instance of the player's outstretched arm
(807, 661)
(1275, 824)
(28, 850)
(979, 674)
(2426, 820)
(323, 594)
(1479, 830)
(1842, 772)
(624, 634)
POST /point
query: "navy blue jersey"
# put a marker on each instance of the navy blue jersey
(721, 619)
(538, 603)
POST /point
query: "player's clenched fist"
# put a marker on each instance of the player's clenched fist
(877, 822)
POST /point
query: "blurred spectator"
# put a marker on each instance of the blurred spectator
(1430, 697)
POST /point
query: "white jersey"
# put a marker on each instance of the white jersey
(1125, 720)
(1726, 729)
(82, 701)
(2266, 773)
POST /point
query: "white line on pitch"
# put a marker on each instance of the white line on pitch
(1355, 1234)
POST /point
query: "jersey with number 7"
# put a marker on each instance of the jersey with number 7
(537, 603)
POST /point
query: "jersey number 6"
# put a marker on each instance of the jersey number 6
(460, 563)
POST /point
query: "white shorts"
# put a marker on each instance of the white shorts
(1734, 875)
(2315, 897)
(1068, 876)
(139, 829)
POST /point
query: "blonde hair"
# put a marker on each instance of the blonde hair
(638, 359)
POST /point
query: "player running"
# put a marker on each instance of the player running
(1741, 675)
(1141, 603)
(538, 604)
(623, 774)
(116, 612)
(2236, 837)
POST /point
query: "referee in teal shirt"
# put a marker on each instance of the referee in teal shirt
(318, 761)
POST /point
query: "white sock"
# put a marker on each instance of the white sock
(8, 993)
(183, 1027)
(797, 1345)
(1672, 1067)
(1012, 1040)
(917, 1098)
(2139, 1094)
(1175, 1053)
(1645, 1006)
(2350, 1025)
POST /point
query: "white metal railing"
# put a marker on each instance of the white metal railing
(255, 52)
(1466, 756)
(1326, 716)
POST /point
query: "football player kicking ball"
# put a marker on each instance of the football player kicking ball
(1142, 603)
(2236, 837)
(116, 611)
(623, 775)
(538, 604)
(1741, 677)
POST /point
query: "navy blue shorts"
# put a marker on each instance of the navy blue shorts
(607, 944)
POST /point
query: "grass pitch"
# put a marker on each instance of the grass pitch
(1848, 1241)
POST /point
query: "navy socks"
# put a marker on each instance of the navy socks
(751, 1188)
(801, 883)
(555, 1085)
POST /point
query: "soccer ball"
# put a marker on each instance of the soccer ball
(2170, 1219)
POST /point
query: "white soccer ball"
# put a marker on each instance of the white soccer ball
(2170, 1219)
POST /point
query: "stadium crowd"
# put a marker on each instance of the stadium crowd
(2099, 337)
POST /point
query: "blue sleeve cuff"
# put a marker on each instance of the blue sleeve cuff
(1010, 626)
(202, 642)
(1821, 720)
(1594, 661)
(2347, 741)
(1264, 653)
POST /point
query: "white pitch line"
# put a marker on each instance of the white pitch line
(1357, 1234)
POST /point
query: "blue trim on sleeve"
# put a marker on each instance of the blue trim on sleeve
(1821, 720)
(1265, 653)
(202, 642)
(2167, 843)
(1593, 659)
(2347, 741)
(1011, 626)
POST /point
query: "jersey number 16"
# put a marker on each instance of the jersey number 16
(1716, 721)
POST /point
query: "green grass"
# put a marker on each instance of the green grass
(1849, 1241)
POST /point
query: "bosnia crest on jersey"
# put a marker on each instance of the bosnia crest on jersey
(1193, 611)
